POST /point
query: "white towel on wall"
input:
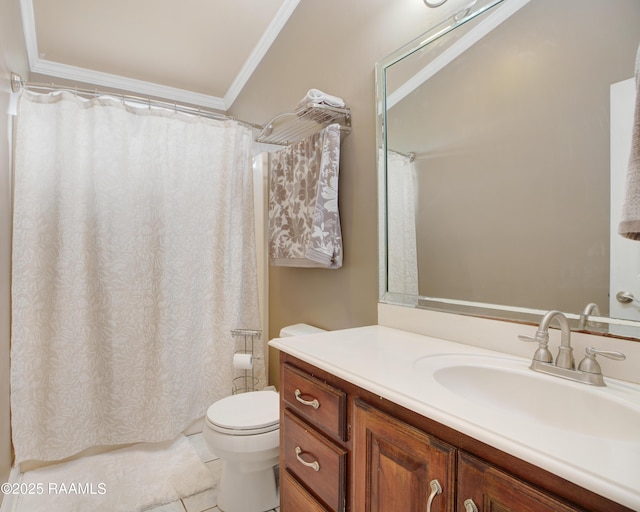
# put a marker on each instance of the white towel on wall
(629, 226)
(317, 96)
(304, 221)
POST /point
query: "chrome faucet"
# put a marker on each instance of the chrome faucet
(588, 371)
(565, 353)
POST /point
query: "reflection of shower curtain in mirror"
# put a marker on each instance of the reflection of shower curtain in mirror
(401, 221)
(133, 259)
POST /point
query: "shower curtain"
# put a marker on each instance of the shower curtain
(133, 259)
(401, 219)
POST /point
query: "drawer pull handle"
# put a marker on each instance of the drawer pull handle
(315, 465)
(436, 489)
(313, 403)
(470, 506)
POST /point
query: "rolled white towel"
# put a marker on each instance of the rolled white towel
(317, 96)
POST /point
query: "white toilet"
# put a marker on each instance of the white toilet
(243, 430)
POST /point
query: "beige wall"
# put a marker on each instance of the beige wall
(333, 45)
(12, 58)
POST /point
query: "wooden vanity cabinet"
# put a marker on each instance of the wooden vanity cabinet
(376, 456)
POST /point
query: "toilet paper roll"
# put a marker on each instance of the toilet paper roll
(243, 361)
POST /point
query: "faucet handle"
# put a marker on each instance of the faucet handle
(543, 354)
(611, 354)
(589, 363)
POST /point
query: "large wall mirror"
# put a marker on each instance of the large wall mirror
(504, 135)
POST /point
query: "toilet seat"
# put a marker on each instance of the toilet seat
(256, 412)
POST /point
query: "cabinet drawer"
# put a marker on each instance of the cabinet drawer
(315, 461)
(315, 400)
(295, 498)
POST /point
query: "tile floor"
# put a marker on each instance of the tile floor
(205, 501)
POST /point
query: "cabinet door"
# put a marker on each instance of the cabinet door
(395, 464)
(495, 491)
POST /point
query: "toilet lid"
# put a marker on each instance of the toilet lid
(250, 413)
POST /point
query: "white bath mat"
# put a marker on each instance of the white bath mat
(126, 480)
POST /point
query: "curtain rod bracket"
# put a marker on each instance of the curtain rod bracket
(16, 82)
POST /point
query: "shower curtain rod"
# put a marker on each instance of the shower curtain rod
(410, 156)
(18, 84)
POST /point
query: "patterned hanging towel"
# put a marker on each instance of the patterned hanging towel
(304, 221)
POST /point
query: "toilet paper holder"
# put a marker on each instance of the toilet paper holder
(243, 359)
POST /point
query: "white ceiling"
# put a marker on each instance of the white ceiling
(194, 51)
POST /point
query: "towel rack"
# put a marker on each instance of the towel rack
(290, 127)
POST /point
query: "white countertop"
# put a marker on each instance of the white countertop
(381, 360)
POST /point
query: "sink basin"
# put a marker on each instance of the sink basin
(503, 383)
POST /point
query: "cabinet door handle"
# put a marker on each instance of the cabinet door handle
(313, 403)
(436, 489)
(315, 465)
(470, 506)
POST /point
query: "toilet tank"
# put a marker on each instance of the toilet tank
(285, 332)
(299, 330)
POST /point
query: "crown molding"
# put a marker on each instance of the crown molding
(50, 68)
(92, 77)
(29, 29)
(260, 50)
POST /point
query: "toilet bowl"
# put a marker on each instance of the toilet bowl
(244, 431)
